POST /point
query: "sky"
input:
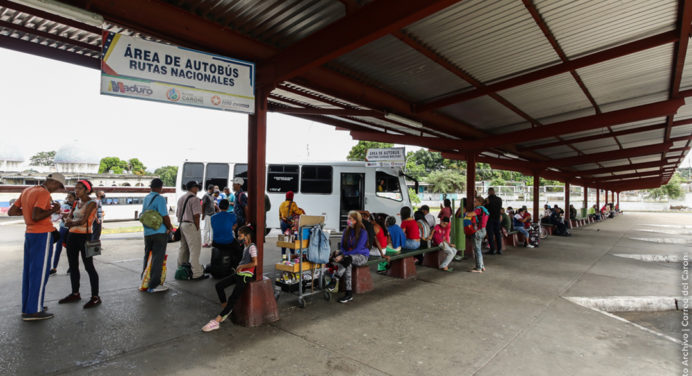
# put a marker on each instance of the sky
(47, 104)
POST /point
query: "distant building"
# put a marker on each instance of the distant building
(99, 180)
(11, 158)
(73, 158)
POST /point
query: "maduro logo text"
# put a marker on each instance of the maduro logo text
(120, 87)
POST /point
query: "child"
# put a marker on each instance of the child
(440, 237)
(244, 274)
(481, 214)
(424, 228)
(397, 238)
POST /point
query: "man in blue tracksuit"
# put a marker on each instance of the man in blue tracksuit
(36, 205)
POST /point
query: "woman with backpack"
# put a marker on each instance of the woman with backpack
(481, 214)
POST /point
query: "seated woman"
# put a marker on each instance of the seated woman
(411, 230)
(519, 221)
(355, 250)
(440, 238)
(396, 240)
(572, 212)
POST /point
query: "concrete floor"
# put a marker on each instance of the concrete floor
(511, 320)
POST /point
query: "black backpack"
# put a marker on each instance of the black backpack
(225, 259)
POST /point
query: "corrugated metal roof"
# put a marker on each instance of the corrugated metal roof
(647, 158)
(686, 81)
(490, 39)
(275, 22)
(586, 166)
(655, 136)
(630, 76)
(483, 112)
(390, 63)
(558, 152)
(590, 25)
(615, 163)
(682, 130)
(551, 96)
(639, 124)
(685, 111)
(589, 146)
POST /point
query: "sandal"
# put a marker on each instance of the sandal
(449, 270)
(476, 271)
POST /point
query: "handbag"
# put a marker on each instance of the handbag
(151, 218)
(92, 247)
(177, 234)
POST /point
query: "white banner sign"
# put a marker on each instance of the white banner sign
(386, 155)
(137, 68)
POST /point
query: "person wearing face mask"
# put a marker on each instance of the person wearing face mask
(355, 249)
(244, 274)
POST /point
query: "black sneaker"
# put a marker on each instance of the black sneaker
(93, 302)
(346, 298)
(53, 272)
(72, 298)
(37, 316)
(200, 278)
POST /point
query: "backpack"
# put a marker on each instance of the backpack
(151, 218)
(319, 247)
(224, 259)
(184, 272)
(470, 224)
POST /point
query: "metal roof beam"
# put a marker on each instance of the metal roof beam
(625, 176)
(329, 111)
(600, 136)
(627, 167)
(363, 26)
(595, 58)
(49, 52)
(586, 123)
(684, 19)
(608, 155)
(428, 142)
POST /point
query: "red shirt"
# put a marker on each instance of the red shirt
(381, 237)
(410, 227)
(527, 224)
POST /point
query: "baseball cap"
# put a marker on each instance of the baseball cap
(192, 184)
(156, 183)
(240, 181)
(60, 178)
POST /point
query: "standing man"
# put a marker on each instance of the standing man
(98, 223)
(208, 209)
(494, 205)
(230, 197)
(240, 207)
(36, 205)
(188, 212)
(155, 240)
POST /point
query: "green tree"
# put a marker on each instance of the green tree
(136, 167)
(44, 158)
(415, 170)
(672, 190)
(413, 196)
(446, 181)
(430, 160)
(168, 174)
(112, 164)
(360, 150)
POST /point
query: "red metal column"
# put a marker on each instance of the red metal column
(598, 199)
(567, 220)
(470, 180)
(536, 193)
(586, 199)
(257, 146)
(257, 305)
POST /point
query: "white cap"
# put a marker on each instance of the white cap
(60, 178)
(240, 181)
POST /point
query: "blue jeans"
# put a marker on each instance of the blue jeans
(412, 244)
(59, 246)
(478, 240)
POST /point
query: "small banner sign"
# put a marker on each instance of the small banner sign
(137, 68)
(391, 157)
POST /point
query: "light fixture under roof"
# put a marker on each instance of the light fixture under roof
(403, 120)
(64, 10)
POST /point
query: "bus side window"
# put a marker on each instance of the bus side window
(316, 179)
(217, 174)
(191, 171)
(282, 178)
(240, 171)
(388, 186)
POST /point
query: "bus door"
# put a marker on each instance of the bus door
(352, 195)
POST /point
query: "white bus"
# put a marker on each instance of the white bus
(330, 189)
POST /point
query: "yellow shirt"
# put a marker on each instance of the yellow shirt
(286, 212)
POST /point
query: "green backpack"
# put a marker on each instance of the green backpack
(151, 218)
(184, 272)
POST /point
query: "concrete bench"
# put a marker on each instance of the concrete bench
(511, 238)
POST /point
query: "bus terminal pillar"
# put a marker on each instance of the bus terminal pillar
(257, 306)
(470, 191)
(536, 193)
(585, 212)
(567, 219)
(598, 199)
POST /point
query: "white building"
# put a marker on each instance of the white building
(11, 158)
(74, 158)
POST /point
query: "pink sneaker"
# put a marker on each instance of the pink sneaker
(211, 325)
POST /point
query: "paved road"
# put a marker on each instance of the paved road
(511, 320)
